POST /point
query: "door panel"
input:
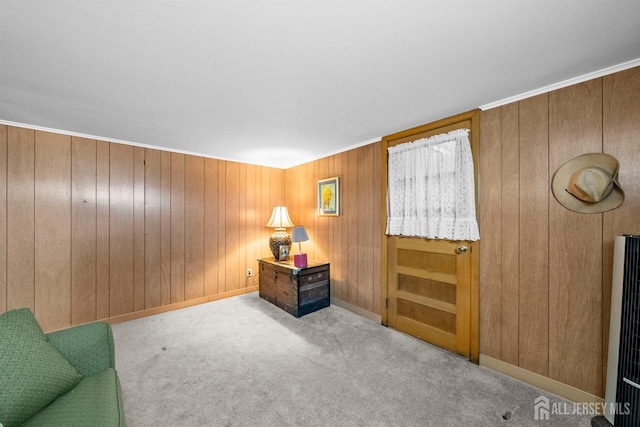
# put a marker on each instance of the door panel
(429, 291)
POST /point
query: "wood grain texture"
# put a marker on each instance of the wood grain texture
(121, 230)
(347, 241)
(510, 226)
(53, 229)
(351, 205)
(212, 255)
(152, 229)
(165, 228)
(376, 232)
(138, 229)
(567, 328)
(533, 268)
(490, 216)
(83, 230)
(231, 222)
(575, 240)
(621, 128)
(102, 230)
(194, 228)
(3, 217)
(365, 227)
(222, 236)
(20, 218)
(177, 226)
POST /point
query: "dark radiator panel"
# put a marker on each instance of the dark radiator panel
(628, 378)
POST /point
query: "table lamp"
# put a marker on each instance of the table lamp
(280, 221)
(299, 234)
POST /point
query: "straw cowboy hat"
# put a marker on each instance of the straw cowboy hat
(588, 184)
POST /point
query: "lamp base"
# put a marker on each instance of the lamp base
(300, 260)
(277, 239)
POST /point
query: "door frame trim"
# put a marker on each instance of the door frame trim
(470, 119)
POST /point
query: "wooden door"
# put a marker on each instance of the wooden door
(429, 291)
(430, 287)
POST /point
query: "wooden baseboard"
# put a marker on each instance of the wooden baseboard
(357, 310)
(177, 306)
(540, 381)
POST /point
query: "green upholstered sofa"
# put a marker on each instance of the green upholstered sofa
(64, 378)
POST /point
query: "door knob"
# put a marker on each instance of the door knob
(461, 249)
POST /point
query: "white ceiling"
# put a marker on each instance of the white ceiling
(280, 83)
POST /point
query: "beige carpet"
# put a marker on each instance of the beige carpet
(244, 362)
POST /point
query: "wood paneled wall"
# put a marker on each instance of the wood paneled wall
(545, 271)
(350, 242)
(91, 230)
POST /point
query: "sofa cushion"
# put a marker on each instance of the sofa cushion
(96, 401)
(32, 373)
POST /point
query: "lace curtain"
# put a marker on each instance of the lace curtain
(431, 191)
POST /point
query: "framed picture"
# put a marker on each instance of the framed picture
(284, 252)
(329, 197)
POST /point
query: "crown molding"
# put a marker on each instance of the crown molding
(565, 83)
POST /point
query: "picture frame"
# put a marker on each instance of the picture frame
(329, 196)
(284, 252)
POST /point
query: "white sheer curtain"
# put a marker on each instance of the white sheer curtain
(431, 191)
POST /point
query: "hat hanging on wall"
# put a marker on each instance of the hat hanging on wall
(588, 184)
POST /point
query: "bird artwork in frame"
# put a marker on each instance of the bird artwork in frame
(329, 197)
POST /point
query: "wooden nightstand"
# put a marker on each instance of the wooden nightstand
(298, 291)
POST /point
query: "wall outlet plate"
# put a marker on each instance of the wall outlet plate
(249, 272)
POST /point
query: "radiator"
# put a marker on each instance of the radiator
(622, 396)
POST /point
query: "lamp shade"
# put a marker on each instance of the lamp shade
(279, 218)
(280, 241)
(299, 234)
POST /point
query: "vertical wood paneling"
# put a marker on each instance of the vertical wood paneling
(3, 218)
(337, 263)
(490, 223)
(322, 229)
(165, 228)
(20, 218)
(212, 211)
(253, 237)
(194, 228)
(575, 239)
(152, 228)
(121, 229)
(83, 230)
(365, 226)
(565, 261)
(138, 229)
(534, 241)
(177, 226)
(510, 225)
(265, 212)
(308, 186)
(53, 229)
(222, 236)
(242, 226)
(351, 209)
(621, 130)
(376, 234)
(232, 225)
(98, 229)
(102, 229)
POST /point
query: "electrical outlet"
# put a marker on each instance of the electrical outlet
(249, 272)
